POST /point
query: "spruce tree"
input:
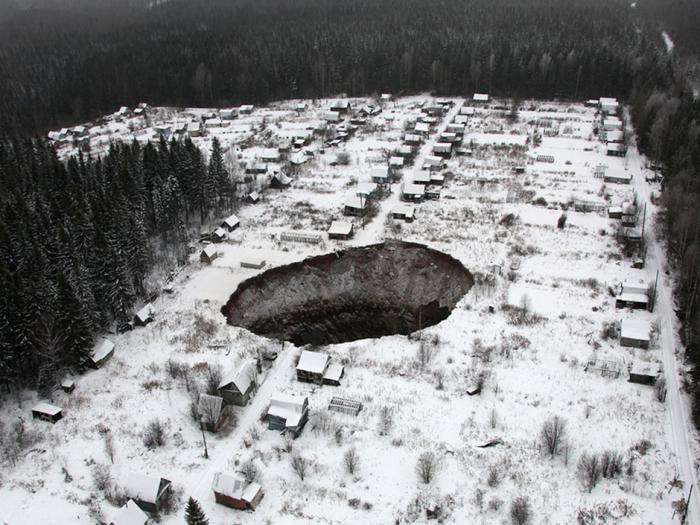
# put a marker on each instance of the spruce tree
(194, 515)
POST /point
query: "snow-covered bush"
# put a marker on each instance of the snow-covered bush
(154, 434)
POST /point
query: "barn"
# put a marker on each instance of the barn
(235, 492)
(237, 386)
(341, 230)
(102, 353)
(208, 254)
(635, 333)
(148, 492)
(288, 413)
(46, 412)
(130, 514)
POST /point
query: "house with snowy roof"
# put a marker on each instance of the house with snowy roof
(316, 367)
(237, 386)
(635, 333)
(148, 492)
(130, 514)
(288, 413)
(231, 223)
(235, 492)
(211, 412)
(102, 353)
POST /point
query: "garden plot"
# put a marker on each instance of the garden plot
(494, 371)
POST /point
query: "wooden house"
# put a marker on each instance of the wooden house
(379, 174)
(413, 139)
(633, 295)
(615, 212)
(219, 235)
(194, 129)
(341, 230)
(618, 177)
(288, 413)
(437, 178)
(68, 385)
(144, 316)
(644, 372)
(257, 168)
(422, 128)
(412, 192)
(280, 181)
(211, 412)
(635, 333)
(102, 353)
(130, 514)
(456, 128)
(46, 412)
(406, 212)
(432, 193)
(396, 162)
(148, 492)
(246, 109)
(608, 106)
(355, 206)
(442, 149)
(237, 386)
(208, 254)
(612, 124)
(235, 492)
(341, 107)
(312, 366)
(331, 116)
(615, 149)
(629, 214)
(406, 150)
(231, 223)
(270, 155)
(334, 373)
(228, 114)
(421, 177)
(433, 163)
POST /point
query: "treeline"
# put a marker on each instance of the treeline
(224, 52)
(666, 114)
(78, 241)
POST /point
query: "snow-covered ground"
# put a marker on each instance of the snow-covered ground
(533, 370)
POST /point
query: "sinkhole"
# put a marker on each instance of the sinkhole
(390, 288)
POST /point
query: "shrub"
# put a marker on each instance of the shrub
(426, 466)
(589, 470)
(508, 220)
(553, 434)
(250, 471)
(102, 476)
(343, 158)
(154, 434)
(300, 466)
(520, 511)
(386, 421)
(494, 477)
(561, 222)
(354, 503)
(351, 460)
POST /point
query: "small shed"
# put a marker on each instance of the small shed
(253, 197)
(235, 492)
(396, 162)
(633, 295)
(331, 116)
(644, 372)
(615, 212)
(312, 366)
(46, 412)
(433, 162)
(288, 413)
(208, 254)
(231, 223)
(130, 514)
(406, 212)
(144, 316)
(237, 386)
(442, 149)
(412, 192)
(355, 206)
(379, 174)
(334, 373)
(480, 98)
(437, 178)
(67, 385)
(211, 411)
(102, 353)
(635, 333)
(254, 262)
(270, 155)
(341, 230)
(341, 106)
(421, 177)
(147, 491)
(246, 109)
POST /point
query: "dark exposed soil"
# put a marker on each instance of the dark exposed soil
(390, 288)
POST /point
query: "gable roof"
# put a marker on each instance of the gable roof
(209, 250)
(142, 487)
(102, 350)
(209, 408)
(314, 362)
(241, 377)
(235, 487)
(129, 514)
(231, 221)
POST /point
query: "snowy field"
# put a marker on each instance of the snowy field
(527, 331)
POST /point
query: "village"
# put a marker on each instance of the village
(550, 209)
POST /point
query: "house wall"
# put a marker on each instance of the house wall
(309, 377)
(233, 396)
(642, 380)
(635, 343)
(230, 502)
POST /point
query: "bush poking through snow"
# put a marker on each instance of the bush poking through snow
(250, 471)
(589, 470)
(300, 466)
(660, 389)
(553, 434)
(611, 464)
(351, 460)
(609, 330)
(154, 434)
(426, 466)
(386, 421)
(561, 222)
(494, 478)
(520, 511)
(102, 476)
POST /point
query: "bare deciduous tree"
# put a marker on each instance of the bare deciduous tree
(386, 421)
(589, 470)
(300, 466)
(109, 446)
(553, 434)
(426, 466)
(250, 471)
(351, 459)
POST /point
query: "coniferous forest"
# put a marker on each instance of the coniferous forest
(78, 240)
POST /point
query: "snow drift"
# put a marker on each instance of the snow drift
(390, 288)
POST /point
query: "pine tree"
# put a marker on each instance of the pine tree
(74, 322)
(194, 515)
(218, 173)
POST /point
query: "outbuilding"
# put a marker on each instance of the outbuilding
(235, 492)
(144, 316)
(237, 386)
(148, 492)
(280, 181)
(615, 149)
(288, 413)
(432, 162)
(341, 106)
(219, 235)
(270, 155)
(342, 230)
(254, 262)
(635, 333)
(130, 514)
(331, 116)
(231, 223)
(208, 254)
(644, 372)
(46, 412)
(480, 98)
(102, 353)
(421, 177)
(618, 178)
(253, 197)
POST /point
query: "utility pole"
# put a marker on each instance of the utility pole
(656, 285)
(206, 451)
(687, 504)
